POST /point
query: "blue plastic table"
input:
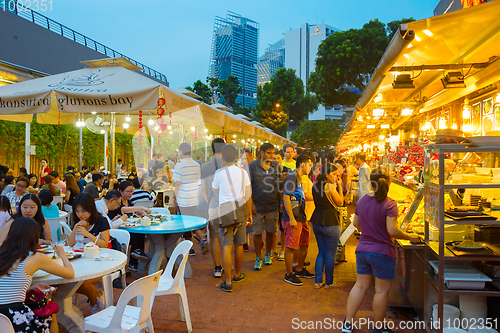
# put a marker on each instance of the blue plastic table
(174, 227)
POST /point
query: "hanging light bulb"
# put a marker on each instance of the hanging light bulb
(443, 123)
(151, 122)
(192, 128)
(127, 118)
(93, 112)
(103, 131)
(125, 125)
(169, 127)
(466, 111)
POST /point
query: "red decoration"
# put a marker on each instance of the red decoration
(160, 111)
(140, 127)
(161, 101)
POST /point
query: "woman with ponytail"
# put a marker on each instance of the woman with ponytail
(376, 217)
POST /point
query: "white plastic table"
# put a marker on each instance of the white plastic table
(173, 228)
(69, 315)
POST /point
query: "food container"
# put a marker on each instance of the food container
(450, 313)
(90, 251)
(450, 266)
(466, 280)
(491, 268)
(145, 222)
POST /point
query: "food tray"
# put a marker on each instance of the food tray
(481, 216)
(450, 266)
(464, 214)
(473, 281)
(459, 252)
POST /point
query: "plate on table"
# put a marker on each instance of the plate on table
(130, 225)
(464, 214)
(468, 245)
(40, 274)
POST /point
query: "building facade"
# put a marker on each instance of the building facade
(301, 48)
(272, 60)
(234, 52)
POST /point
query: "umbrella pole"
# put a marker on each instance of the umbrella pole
(27, 156)
(112, 146)
(81, 148)
(106, 150)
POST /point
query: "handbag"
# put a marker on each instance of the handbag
(232, 212)
(39, 304)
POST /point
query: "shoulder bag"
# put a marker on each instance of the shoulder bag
(233, 212)
(39, 304)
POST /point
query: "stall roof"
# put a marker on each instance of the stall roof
(468, 36)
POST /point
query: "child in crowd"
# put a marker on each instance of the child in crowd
(5, 211)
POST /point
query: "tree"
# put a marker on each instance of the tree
(229, 89)
(346, 60)
(203, 90)
(317, 134)
(282, 99)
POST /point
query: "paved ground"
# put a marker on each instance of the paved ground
(262, 302)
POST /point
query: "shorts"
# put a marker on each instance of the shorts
(281, 222)
(213, 223)
(296, 237)
(267, 222)
(378, 265)
(233, 235)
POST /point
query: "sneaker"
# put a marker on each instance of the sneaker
(258, 264)
(274, 255)
(226, 287)
(139, 255)
(204, 246)
(384, 330)
(239, 278)
(132, 267)
(292, 279)
(245, 247)
(281, 256)
(346, 327)
(307, 263)
(191, 252)
(333, 285)
(304, 273)
(267, 259)
(218, 271)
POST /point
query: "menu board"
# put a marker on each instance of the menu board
(432, 204)
(476, 119)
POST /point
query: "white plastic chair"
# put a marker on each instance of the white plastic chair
(123, 237)
(57, 200)
(66, 229)
(5, 324)
(127, 318)
(55, 226)
(160, 210)
(175, 286)
(144, 203)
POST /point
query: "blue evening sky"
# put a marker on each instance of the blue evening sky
(174, 37)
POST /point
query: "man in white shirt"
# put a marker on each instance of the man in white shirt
(111, 201)
(364, 175)
(186, 178)
(118, 165)
(235, 234)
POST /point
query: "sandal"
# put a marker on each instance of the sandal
(319, 285)
(333, 285)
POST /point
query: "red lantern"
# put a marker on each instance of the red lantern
(140, 127)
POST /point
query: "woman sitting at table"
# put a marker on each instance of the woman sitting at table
(50, 186)
(111, 183)
(136, 240)
(18, 262)
(30, 206)
(49, 211)
(95, 228)
(72, 190)
(33, 184)
(122, 173)
(5, 211)
(133, 173)
(18, 193)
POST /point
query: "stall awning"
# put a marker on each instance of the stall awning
(467, 36)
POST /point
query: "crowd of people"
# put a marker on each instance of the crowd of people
(279, 193)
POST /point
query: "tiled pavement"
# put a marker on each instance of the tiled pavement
(262, 302)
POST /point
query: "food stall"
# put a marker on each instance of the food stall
(431, 115)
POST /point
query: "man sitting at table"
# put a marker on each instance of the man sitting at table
(57, 181)
(93, 187)
(111, 201)
(161, 180)
(141, 194)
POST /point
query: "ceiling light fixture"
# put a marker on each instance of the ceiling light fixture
(370, 126)
(378, 112)
(403, 81)
(406, 112)
(384, 126)
(418, 39)
(453, 80)
(428, 33)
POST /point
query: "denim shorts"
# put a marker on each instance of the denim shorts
(378, 265)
